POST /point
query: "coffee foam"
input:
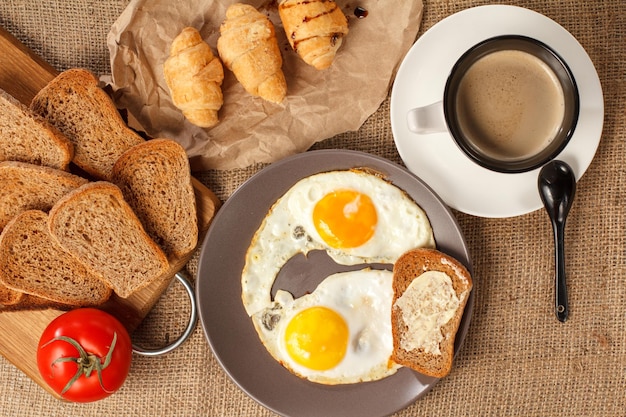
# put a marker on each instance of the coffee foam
(510, 104)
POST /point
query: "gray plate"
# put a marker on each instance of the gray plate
(230, 331)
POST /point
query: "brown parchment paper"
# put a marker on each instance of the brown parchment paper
(319, 104)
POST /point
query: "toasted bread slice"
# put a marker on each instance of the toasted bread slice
(26, 137)
(431, 290)
(95, 224)
(25, 186)
(155, 179)
(78, 107)
(32, 262)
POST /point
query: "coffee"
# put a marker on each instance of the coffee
(510, 105)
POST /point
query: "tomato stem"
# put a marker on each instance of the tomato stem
(86, 362)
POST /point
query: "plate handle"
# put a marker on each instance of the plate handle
(193, 320)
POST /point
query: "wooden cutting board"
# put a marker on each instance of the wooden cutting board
(23, 74)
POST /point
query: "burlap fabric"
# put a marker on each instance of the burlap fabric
(517, 359)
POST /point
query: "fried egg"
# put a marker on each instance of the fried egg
(338, 334)
(355, 216)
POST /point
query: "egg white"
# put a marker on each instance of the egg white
(288, 229)
(363, 298)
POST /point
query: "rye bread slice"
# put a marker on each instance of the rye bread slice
(155, 179)
(30, 302)
(9, 297)
(409, 267)
(96, 225)
(75, 104)
(32, 262)
(26, 186)
(26, 137)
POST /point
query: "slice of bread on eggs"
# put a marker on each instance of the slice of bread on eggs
(431, 290)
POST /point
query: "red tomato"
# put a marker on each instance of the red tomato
(96, 372)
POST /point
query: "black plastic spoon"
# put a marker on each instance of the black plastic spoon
(557, 186)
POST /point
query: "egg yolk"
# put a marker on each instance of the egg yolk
(345, 219)
(317, 338)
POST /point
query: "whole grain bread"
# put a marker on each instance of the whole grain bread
(9, 297)
(26, 186)
(95, 224)
(30, 302)
(155, 179)
(26, 137)
(32, 262)
(406, 325)
(75, 104)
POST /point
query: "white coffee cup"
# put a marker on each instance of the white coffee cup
(510, 103)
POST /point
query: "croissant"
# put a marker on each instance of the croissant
(194, 76)
(248, 47)
(314, 28)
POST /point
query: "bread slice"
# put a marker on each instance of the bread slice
(27, 137)
(78, 107)
(427, 309)
(30, 302)
(32, 262)
(9, 297)
(25, 186)
(155, 179)
(97, 226)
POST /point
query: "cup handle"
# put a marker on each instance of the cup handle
(427, 119)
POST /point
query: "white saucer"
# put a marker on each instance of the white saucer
(435, 158)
